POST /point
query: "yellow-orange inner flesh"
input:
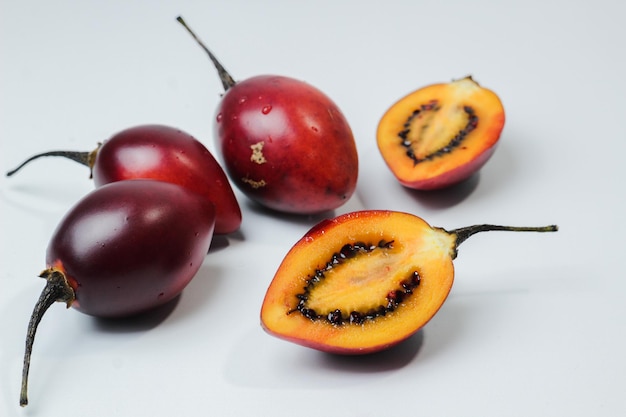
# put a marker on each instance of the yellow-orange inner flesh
(442, 115)
(369, 276)
(433, 130)
(360, 283)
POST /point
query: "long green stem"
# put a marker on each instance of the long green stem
(227, 80)
(83, 158)
(56, 289)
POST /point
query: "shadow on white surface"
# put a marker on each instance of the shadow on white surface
(378, 188)
(283, 365)
(296, 219)
(139, 322)
(388, 360)
(444, 198)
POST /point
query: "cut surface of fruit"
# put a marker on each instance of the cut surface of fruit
(361, 282)
(441, 134)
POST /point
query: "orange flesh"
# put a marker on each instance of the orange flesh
(360, 283)
(442, 115)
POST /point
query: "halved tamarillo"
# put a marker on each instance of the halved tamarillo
(161, 153)
(364, 281)
(284, 143)
(441, 134)
(124, 248)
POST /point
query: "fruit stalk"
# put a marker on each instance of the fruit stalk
(83, 158)
(463, 233)
(56, 289)
(227, 80)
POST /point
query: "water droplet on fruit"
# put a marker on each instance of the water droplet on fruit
(266, 109)
(314, 128)
(308, 239)
(243, 99)
(219, 117)
(161, 295)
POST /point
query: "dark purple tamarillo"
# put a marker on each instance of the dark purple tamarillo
(124, 248)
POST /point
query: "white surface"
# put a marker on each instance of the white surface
(535, 324)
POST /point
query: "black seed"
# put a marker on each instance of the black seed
(371, 314)
(360, 246)
(396, 296)
(356, 317)
(309, 313)
(348, 251)
(335, 317)
(384, 244)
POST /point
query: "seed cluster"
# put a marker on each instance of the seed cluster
(337, 317)
(455, 142)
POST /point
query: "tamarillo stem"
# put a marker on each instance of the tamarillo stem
(227, 80)
(463, 233)
(57, 289)
(80, 157)
(87, 159)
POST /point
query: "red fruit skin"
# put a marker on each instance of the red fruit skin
(168, 154)
(286, 145)
(130, 246)
(454, 176)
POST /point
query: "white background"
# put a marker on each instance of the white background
(535, 324)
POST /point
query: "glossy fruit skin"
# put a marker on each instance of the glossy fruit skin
(447, 108)
(416, 246)
(286, 145)
(167, 154)
(130, 246)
